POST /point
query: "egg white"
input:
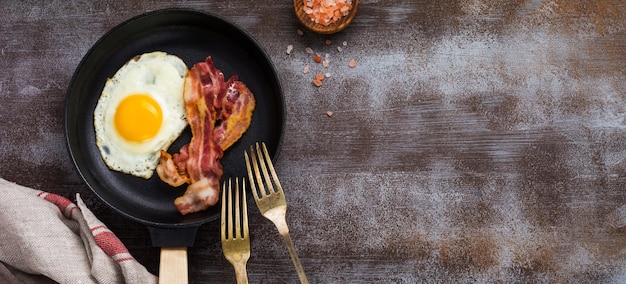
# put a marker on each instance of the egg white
(159, 75)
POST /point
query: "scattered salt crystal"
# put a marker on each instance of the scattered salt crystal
(329, 113)
(309, 50)
(306, 69)
(299, 32)
(317, 58)
(325, 63)
(345, 43)
(289, 49)
(339, 48)
(327, 75)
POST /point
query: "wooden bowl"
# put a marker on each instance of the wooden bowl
(335, 27)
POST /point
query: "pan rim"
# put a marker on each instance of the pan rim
(90, 53)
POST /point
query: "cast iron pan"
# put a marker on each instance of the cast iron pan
(192, 36)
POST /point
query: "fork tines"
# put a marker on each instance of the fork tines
(263, 167)
(234, 223)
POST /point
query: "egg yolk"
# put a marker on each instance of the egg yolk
(138, 117)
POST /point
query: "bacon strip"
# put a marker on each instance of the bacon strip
(218, 113)
(237, 106)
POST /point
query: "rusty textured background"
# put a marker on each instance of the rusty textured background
(475, 141)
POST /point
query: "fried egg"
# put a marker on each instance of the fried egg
(141, 112)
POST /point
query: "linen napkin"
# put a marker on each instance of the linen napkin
(45, 238)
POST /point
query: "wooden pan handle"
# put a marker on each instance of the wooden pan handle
(173, 266)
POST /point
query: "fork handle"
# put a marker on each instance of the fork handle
(240, 272)
(295, 258)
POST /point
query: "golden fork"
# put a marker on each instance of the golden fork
(271, 203)
(236, 247)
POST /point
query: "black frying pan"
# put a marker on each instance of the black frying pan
(192, 36)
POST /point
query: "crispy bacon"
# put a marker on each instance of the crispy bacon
(218, 113)
(237, 106)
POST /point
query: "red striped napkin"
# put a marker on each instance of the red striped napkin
(45, 238)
